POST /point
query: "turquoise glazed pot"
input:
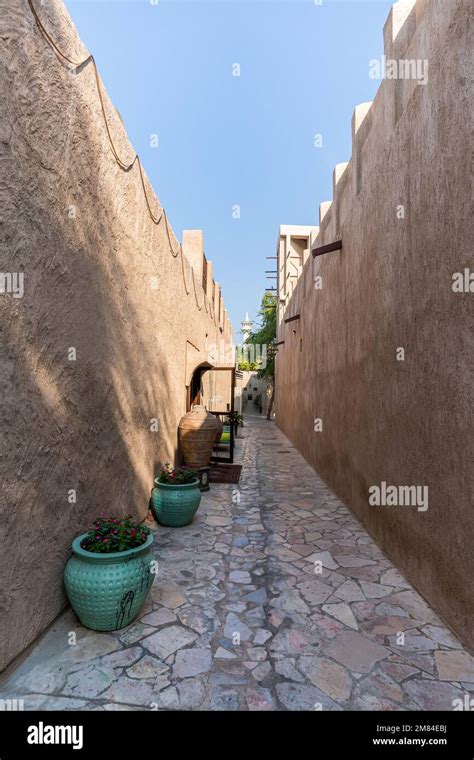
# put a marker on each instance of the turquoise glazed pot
(107, 591)
(175, 505)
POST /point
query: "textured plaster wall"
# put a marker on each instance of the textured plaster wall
(77, 226)
(403, 422)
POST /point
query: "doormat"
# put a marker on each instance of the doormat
(225, 473)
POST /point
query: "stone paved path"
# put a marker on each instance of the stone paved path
(240, 618)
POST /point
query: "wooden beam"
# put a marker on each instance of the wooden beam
(336, 246)
(292, 319)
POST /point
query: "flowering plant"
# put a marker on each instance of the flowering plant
(114, 534)
(178, 477)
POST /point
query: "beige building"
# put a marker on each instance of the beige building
(374, 368)
(251, 391)
(117, 330)
(292, 252)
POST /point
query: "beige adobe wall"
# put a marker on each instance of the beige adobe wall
(217, 390)
(99, 278)
(193, 249)
(403, 422)
(292, 252)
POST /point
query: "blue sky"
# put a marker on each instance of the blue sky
(227, 140)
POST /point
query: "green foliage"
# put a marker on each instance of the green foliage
(179, 477)
(233, 417)
(114, 534)
(266, 335)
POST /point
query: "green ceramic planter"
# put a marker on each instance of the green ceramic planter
(174, 505)
(107, 591)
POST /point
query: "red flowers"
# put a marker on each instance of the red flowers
(115, 534)
(179, 477)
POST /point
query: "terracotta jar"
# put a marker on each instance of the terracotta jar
(197, 433)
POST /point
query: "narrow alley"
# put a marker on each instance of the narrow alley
(274, 598)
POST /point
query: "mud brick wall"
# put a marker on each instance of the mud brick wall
(401, 205)
(99, 278)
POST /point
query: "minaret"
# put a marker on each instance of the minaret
(246, 326)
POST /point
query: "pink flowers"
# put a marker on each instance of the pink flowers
(115, 534)
(179, 477)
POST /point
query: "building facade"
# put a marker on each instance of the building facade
(116, 319)
(374, 365)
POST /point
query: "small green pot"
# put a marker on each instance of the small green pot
(175, 505)
(107, 591)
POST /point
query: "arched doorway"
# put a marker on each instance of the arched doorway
(194, 389)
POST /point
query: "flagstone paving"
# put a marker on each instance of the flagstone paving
(274, 598)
